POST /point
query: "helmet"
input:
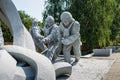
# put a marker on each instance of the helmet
(35, 23)
(49, 20)
(66, 15)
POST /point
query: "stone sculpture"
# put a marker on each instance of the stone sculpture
(70, 36)
(10, 16)
(62, 68)
(36, 35)
(52, 37)
(35, 60)
(40, 66)
(1, 36)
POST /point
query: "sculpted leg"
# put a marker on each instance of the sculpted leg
(66, 52)
(77, 50)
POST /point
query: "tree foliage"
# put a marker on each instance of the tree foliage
(115, 28)
(95, 17)
(55, 8)
(26, 20)
(6, 33)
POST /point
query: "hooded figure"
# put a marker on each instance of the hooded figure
(70, 36)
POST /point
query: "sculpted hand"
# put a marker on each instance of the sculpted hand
(65, 42)
(45, 40)
(62, 38)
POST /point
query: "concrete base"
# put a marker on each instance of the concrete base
(62, 68)
(102, 52)
(43, 67)
(114, 48)
(89, 69)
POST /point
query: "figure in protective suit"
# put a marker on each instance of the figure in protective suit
(37, 37)
(70, 36)
(52, 38)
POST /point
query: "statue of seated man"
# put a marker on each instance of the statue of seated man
(37, 37)
(70, 36)
(51, 34)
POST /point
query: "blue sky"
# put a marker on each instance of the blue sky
(34, 8)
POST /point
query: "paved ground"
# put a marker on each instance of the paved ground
(114, 71)
(96, 68)
(90, 69)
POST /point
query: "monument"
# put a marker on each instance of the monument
(52, 38)
(20, 61)
(23, 50)
(9, 15)
(37, 37)
(70, 36)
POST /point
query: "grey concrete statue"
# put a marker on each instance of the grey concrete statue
(23, 49)
(37, 37)
(1, 37)
(10, 16)
(70, 36)
(52, 37)
(21, 37)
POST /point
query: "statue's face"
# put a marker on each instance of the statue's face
(49, 23)
(35, 23)
(66, 18)
(66, 21)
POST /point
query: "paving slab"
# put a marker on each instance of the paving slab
(94, 68)
(114, 72)
(89, 69)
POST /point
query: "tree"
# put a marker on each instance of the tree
(27, 21)
(115, 28)
(55, 8)
(96, 17)
(6, 33)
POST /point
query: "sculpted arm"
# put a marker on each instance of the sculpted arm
(74, 35)
(52, 36)
(36, 33)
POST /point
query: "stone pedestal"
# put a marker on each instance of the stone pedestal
(102, 52)
(112, 47)
(62, 68)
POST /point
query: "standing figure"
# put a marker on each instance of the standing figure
(70, 36)
(51, 34)
(37, 37)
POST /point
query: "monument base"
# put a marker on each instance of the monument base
(102, 52)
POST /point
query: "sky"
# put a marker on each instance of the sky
(34, 8)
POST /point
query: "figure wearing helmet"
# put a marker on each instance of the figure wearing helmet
(70, 36)
(51, 34)
(37, 37)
